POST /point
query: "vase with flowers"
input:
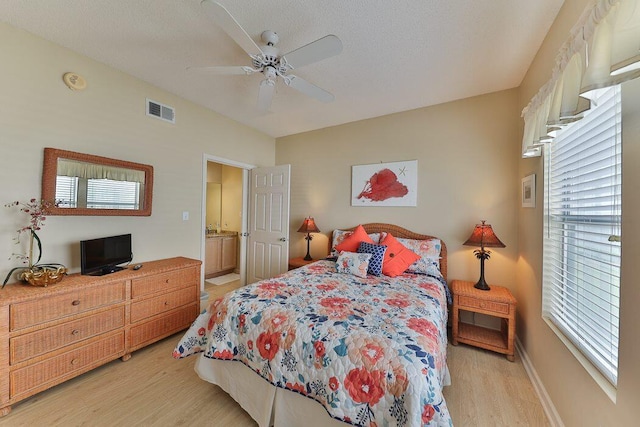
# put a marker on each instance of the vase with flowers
(34, 273)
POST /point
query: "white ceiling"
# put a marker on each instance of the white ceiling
(397, 56)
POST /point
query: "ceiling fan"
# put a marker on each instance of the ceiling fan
(267, 59)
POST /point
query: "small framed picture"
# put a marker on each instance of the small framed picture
(529, 191)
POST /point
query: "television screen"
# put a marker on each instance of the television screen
(102, 256)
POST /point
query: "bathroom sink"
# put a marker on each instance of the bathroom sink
(221, 233)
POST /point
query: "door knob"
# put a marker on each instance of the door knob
(283, 239)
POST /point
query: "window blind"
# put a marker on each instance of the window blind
(581, 265)
(67, 191)
(108, 194)
(97, 193)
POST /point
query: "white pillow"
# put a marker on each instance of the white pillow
(429, 252)
(353, 263)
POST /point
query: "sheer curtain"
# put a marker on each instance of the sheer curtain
(603, 50)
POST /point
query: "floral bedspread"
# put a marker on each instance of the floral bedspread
(371, 350)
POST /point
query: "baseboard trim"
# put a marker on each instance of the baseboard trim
(547, 405)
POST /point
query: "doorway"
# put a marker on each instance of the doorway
(224, 222)
(264, 244)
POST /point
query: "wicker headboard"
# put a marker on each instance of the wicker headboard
(397, 231)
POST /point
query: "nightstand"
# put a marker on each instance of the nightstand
(298, 262)
(496, 302)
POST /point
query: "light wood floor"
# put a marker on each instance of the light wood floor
(153, 389)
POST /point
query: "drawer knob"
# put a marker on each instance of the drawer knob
(483, 305)
(166, 303)
(75, 302)
(74, 361)
(166, 281)
(75, 332)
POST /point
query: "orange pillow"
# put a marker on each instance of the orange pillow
(351, 242)
(397, 258)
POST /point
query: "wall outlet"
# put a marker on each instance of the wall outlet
(185, 216)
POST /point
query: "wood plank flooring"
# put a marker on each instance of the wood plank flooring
(153, 389)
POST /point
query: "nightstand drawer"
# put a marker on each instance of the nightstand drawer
(495, 307)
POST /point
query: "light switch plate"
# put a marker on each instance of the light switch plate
(185, 216)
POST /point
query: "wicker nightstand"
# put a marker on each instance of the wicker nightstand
(497, 302)
(298, 262)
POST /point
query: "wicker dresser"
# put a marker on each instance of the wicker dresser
(49, 335)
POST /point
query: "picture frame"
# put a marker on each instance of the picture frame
(529, 191)
(385, 184)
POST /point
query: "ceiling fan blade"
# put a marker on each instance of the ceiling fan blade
(309, 89)
(236, 70)
(267, 88)
(227, 22)
(318, 50)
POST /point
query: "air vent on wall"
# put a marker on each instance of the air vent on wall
(160, 111)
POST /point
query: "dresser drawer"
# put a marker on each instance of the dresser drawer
(494, 307)
(31, 313)
(163, 303)
(164, 281)
(34, 344)
(42, 375)
(153, 330)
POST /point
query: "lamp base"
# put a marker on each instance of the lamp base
(307, 257)
(482, 285)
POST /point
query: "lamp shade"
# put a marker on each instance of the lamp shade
(484, 237)
(308, 226)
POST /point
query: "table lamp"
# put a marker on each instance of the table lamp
(308, 226)
(483, 236)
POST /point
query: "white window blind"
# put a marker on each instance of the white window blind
(581, 277)
(97, 193)
(67, 191)
(109, 194)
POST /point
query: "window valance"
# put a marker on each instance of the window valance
(603, 50)
(96, 171)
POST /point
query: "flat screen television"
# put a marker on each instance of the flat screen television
(104, 255)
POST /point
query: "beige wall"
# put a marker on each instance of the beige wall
(466, 172)
(576, 396)
(108, 118)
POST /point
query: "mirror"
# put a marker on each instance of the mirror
(214, 206)
(84, 184)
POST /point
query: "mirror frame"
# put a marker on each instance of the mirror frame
(50, 172)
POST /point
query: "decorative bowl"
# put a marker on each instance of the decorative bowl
(43, 275)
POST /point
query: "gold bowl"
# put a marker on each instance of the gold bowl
(43, 275)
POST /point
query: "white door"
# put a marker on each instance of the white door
(268, 252)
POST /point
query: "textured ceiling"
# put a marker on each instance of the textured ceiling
(397, 55)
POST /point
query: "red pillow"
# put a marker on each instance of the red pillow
(397, 258)
(351, 242)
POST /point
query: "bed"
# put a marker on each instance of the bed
(318, 346)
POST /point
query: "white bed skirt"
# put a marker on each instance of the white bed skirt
(266, 404)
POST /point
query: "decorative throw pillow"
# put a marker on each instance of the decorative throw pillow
(397, 257)
(353, 263)
(377, 256)
(338, 237)
(429, 252)
(351, 242)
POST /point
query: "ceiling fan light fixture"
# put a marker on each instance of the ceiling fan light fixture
(267, 58)
(270, 38)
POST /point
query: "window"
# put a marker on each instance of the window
(581, 267)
